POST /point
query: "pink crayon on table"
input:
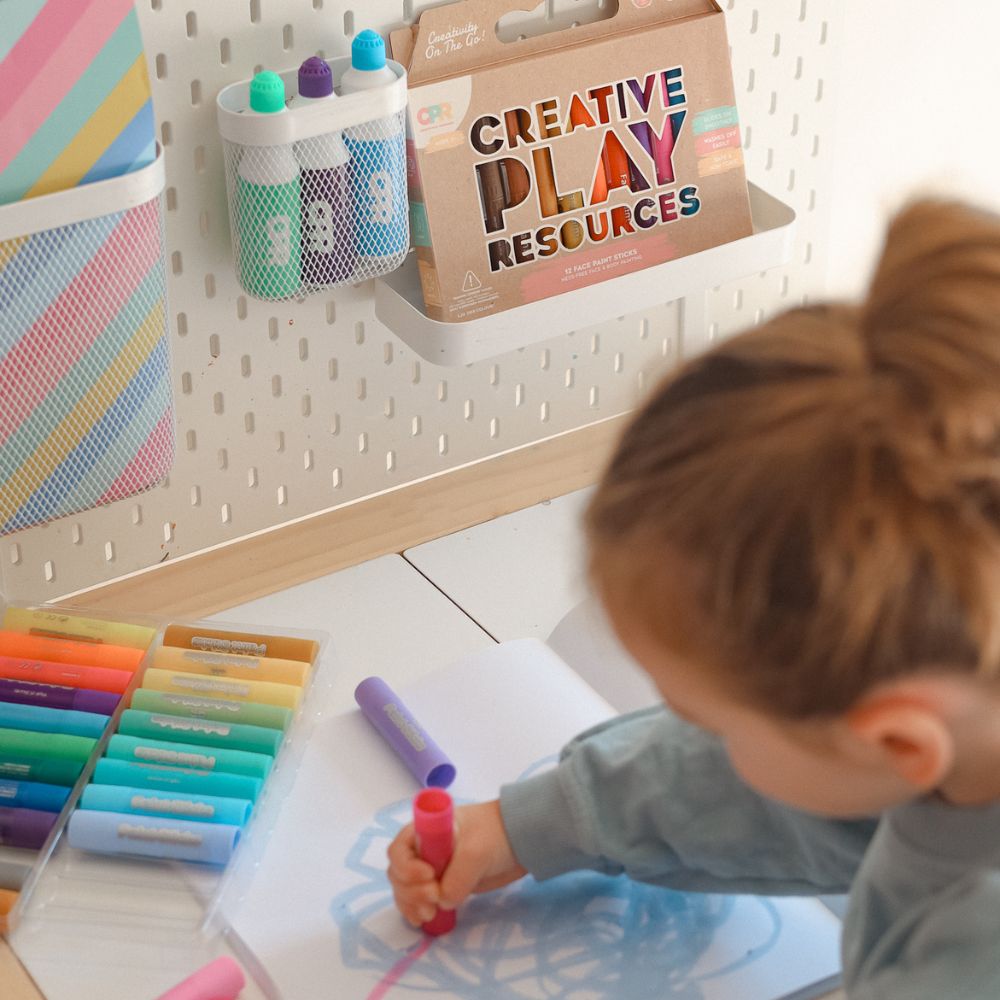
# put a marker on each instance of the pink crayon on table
(434, 821)
(219, 980)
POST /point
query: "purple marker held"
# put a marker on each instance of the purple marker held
(383, 709)
(328, 252)
(58, 696)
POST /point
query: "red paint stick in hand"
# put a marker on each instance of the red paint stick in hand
(434, 821)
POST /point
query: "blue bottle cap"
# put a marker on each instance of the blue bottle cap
(267, 93)
(368, 51)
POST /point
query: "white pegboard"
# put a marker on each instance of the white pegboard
(285, 410)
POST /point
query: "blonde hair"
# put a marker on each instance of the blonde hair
(823, 492)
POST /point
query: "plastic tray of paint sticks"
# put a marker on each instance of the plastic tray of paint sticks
(212, 725)
(64, 679)
(316, 186)
(85, 391)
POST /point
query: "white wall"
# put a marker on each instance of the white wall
(916, 113)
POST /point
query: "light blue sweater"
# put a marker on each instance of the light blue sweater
(656, 798)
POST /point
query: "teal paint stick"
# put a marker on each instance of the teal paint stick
(176, 779)
(201, 758)
(206, 732)
(39, 719)
(148, 802)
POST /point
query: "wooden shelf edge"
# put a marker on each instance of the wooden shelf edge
(262, 564)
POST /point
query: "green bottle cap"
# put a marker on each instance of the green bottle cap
(267, 93)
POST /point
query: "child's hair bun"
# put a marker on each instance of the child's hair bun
(932, 316)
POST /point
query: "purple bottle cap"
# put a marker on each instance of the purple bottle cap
(315, 78)
(383, 709)
(98, 702)
(25, 827)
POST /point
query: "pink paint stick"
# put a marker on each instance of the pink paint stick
(219, 980)
(434, 821)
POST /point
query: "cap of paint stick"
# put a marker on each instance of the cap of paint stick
(426, 761)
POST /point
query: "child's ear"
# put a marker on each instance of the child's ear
(908, 737)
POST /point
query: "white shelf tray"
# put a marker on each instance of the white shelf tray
(399, 302)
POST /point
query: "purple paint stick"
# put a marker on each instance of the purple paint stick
(25, 827)
(383, 709)
(328, 252)
(58, 696)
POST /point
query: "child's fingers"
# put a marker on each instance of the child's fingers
(405, 865)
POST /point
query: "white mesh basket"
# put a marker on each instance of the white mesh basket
(317, 194)
(85, 398)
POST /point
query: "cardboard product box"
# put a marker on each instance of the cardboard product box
(552, 162)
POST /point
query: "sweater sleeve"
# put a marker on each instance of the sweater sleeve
(653, 797)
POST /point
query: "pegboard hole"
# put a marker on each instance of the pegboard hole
(214, 345)
(307, 405)
(15, 554)
(390, 408)
(177, 262)
(495, 428)
(171, 199)
(442, 392)
(349, 23)
(390, 461)
(137, 517)
(168, 531)
(317, 4)
(359, 332)
(187, 384)
(255, 11)
(337, 478)
(595, 396)
(161, 66)
(166, 133)
(644, 329)
(191, 24)
(545, 359)
(362, 390)
(387, 354)
(417, 370)
(249, 422)
(195, 496)
(182, 324)
(543, 413)
(225, 51)
(570, 380)
(416, 427)
(519, 394)
(279, 441)
(331, 312)
(287, 37)
(209, 286)
(308, 461)
(222, 458)
(109, 552)
(335, 425)
(49, 569)
(219, 403)
(303, 349)
(205, 228)
(363, 443)
(494, 374)
(246, 366)
(191, 440)
(595, 344)
(276, 386)
(226, 513)
(195, 93)
(469, 409)
(199, 159)
(282, 496)
(619, 363)
(443, 444)
(333, 370)
(253, 481)
(77, 534)
(272, 327)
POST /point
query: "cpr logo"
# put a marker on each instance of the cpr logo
(435, 114)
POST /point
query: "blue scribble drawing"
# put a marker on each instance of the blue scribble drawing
(582, 936)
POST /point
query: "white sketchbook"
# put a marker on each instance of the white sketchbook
(318, 911)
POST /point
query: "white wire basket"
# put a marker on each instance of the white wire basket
(317, 194)
(86, 409)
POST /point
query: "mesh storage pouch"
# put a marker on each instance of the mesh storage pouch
(317, 194)
(85, 398)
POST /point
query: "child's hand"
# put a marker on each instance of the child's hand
(483, 860)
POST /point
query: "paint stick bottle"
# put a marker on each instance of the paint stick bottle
(328, 252)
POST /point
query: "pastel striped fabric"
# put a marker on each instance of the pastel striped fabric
(85, 400)
(74, 95)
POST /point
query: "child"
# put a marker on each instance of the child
(799, 540)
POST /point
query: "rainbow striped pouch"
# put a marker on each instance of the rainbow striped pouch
(85, 398)
(75, 101)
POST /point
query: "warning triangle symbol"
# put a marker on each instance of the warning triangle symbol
(471, 282)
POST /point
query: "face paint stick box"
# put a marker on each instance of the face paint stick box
(542, 161)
